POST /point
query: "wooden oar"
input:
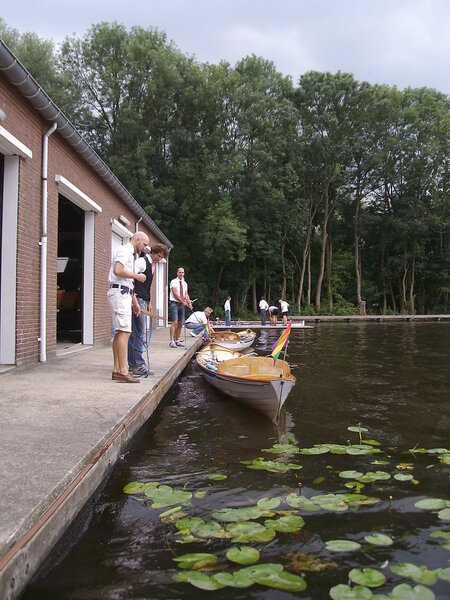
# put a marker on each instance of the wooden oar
(155, 316)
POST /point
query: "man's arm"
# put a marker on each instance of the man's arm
(120, 271)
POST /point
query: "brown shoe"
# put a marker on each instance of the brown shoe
(128, 378)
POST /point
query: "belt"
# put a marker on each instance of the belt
(124, 289)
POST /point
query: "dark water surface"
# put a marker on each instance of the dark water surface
(391, 378)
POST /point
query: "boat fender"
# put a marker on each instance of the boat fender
(211, 367)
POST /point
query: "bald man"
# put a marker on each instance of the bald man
(123, 302)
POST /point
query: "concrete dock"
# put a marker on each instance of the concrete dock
(64, 424)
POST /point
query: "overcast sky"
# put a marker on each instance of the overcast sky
(398, 42)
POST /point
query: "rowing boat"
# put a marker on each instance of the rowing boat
(234, 340)
(252, 380)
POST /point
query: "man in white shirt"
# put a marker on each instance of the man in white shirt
(284, 310)
(197, 321)
(227, 309)
(179, 299)
(263, 308)
(122, 301)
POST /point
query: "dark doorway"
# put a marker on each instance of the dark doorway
(70, 271)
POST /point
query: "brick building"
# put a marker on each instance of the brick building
(62, 213)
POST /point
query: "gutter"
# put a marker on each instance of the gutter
(14, 71)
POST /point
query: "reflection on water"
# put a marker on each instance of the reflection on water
(391, 378)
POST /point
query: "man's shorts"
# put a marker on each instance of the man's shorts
(285, 314)
(274, 311)
(120, 307)
(176, 311)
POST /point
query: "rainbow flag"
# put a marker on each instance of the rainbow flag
(281, 342)
(207, 331)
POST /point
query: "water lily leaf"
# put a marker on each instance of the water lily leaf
(268, 503)
(354, 485)
(235, 580)
(444, 514)
(444, 574)
(272, 466)
(403, 476)
(245, 555)
(441, 534)
(372, 442)
(437, 451)
(282, 449)
(168, 498)
(418, 574)
(150, 487)
(301, 502)
(187, 539)
(315, 450)
(342, 546)
(445, 459)
(345, 592)
(357, 429)
(261, 569)
(379, 539)
(406, 592)
(355, 500)
(371, 476)
(431, 504)
(319, 480)
(135, 487)
(200, 494)
(331, 502)
(197, 560)
(215, 476)
(350, 474)
(357, 449)
(337, 448)
(199, 580)
(238, 514)
(250, 532)
(209, 529)
(405, 466)
(285, 524)
(170, 512)
(282, 581)
(368, 577)
(380, 462)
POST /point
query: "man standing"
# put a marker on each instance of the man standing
(227, 308)
(122, 301)
(146, 264)
(179, 299)
(284, 310)
(263, 308)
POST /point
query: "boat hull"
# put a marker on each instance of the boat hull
(267, 397)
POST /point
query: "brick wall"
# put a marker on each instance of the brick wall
(24, 123)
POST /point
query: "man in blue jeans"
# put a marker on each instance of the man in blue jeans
(179, 299)
(146, 263)
(197, 321)
(227, 308)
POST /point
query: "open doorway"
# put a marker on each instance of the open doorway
(70, 271)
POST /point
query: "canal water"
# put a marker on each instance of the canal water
(389, 379)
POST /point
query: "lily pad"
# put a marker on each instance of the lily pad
(444, 574)
(197, 560)
(215, 476)
(379, 539)
(371, 476)
(350, 474)
(367, 577)
(419, 574)
(199, 580)
(345, 592)
(285, 524)
(268, 503)
(231, 515)
(208, 529)
(135, 487)
(444, 514)
(342, 546)
(282, 581)
(260, 464)
(282, 449)
(403, 591)
(314, 450)
(403, 476)
(235, 580)
(431, 504)
(359, 449)
(250, 532)
(301, 503)
(245, 555)
(357, 429)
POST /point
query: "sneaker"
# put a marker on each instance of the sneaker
(139, 371)
(193, 334)
(179, 343)
(172, 344)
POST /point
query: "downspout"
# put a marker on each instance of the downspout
(137, 225)
(43, 244)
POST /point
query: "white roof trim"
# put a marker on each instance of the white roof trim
(10, 145)
(72, 193)
(120, 229)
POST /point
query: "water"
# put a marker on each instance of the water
(391, 378)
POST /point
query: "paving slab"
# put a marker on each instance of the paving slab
(64, 423)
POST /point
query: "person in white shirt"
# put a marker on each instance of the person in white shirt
(197, 321)
(273, 313)
(227, 309)
(284, 310)
(263, 308)
(179, 299)
(122, 301)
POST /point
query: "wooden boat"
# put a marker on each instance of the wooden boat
(252, 380)
(234, 340)
(211, 355)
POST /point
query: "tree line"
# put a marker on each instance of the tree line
(331, 193)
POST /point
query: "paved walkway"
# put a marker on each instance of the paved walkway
(63, 425)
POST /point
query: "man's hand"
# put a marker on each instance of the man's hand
(140, 277)
(149, 306)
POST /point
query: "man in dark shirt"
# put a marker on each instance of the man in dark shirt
(138, 336)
